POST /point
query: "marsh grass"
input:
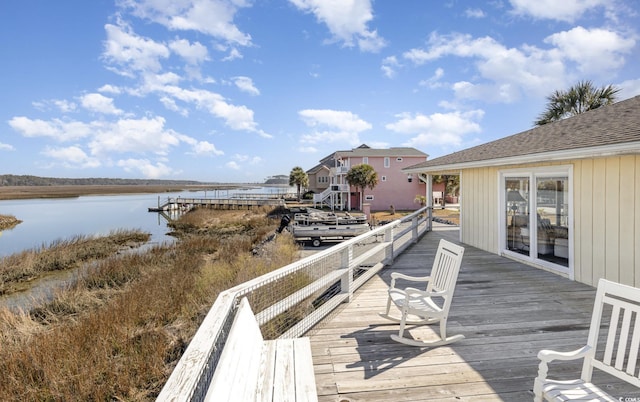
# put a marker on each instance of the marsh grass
(8, 222)
(117, 333)
(17, 270)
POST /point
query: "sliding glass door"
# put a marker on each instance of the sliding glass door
(536, 207)
(517, 214)
(552, 206)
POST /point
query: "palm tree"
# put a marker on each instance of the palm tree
(362, 176)
(580, 98)
(299, 178)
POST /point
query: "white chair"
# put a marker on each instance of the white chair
(431, 305)
(616, 310)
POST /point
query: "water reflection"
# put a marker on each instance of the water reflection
(48, 220)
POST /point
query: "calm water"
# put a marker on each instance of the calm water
(44, 221)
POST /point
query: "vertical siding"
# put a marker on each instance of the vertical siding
(479, 200)
(606, 216)
(597, 192)
(612, 214)
(626, 221)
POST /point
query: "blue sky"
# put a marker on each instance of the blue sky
(239, 90)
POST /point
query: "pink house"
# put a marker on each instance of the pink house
(395, 187)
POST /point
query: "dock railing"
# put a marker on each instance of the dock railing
(292, 299)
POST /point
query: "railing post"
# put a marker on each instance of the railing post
(346, 255)
(389, 252)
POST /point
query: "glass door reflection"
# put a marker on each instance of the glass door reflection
(517, 214)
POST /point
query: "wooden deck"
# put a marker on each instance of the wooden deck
(506, 310)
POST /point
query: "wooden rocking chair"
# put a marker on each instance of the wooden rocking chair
(431, 305)
(616, 313)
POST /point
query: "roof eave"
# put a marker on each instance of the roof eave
(579, 153)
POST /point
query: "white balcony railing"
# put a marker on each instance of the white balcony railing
(307, 290)
(339, 170)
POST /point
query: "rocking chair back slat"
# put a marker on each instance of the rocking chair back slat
(443, 271)
(617, 312)
(623, 336)
(633, 353)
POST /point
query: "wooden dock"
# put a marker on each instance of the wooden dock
(506, 310)
(185, 204)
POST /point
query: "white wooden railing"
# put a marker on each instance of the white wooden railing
(316, 284)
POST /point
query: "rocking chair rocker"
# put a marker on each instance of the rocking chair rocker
(431, 305)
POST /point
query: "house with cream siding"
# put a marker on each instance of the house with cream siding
(395, 187)
(564, 197)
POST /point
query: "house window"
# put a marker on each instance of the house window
(383, 178)
(365, 159)
(537, 207)
(387, 163)
(398, 159)
(368, 197)
(323, 179)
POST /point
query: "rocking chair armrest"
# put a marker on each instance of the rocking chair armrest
(413, 292)
(398, 275)
(548, 356)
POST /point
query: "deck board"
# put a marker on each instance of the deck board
(507, 311)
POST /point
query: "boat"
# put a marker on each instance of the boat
(316, 226)
(313, 216)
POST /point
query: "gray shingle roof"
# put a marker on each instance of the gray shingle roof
(365, 150)
(615, 124)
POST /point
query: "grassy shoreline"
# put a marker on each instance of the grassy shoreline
(73, 191)
(117, 333)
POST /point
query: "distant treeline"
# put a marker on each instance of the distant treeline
(14, 180)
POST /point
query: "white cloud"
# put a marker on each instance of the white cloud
(444, 129)
(565, 10)
(245, 84)
(629, 89)
(205, 148)
(506, 74)
(64, 106)
(145, 167)
(110, 89)
(347, 21)
(252, 160)
(474, 13)
(594, 50)
(171, 104)
(6, 147)
(233, 165)
(194, 53)
(210, 17)
(236, 117)
(72, 156)
(389, 65)
(57, 129)
(61, 105)
(132, 53)
(434, 80)
(99, 103)
(145, 135)
(233, 54)
(341, 126)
